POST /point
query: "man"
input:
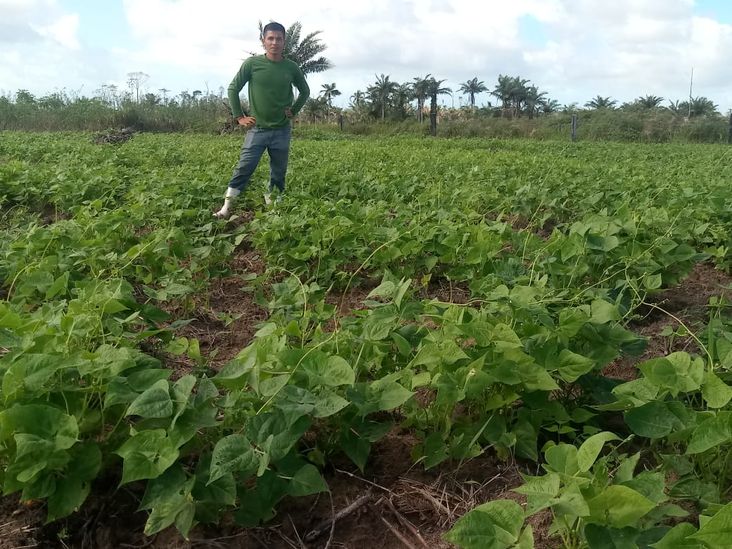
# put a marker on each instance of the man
(271, 78)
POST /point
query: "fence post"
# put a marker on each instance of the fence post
(574, 127)
(729, 135)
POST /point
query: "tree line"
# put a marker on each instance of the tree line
(384, 100)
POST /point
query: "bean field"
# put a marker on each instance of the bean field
(427, 343)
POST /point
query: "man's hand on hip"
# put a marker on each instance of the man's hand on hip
(288, 112)
(246, 121)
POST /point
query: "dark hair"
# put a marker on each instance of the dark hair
(274, 27)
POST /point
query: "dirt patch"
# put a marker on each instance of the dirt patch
(224, 318)
(687, 301)
(20, 523)
(446, 291)
(393, 501)
(50, 214)
(691, 296)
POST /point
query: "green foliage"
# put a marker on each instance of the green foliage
(551, 251)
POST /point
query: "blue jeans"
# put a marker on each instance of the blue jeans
(277, 143)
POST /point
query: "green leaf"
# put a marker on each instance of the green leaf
(232, 454)
(603, 312)
(653, 420)
(715, 391)
(169, 500)
(626, 469)
(572, 365)
(329, 371)
(539, 491)
(590, 449)
(602, 537)
(59, 285)
(562, 458)
(710, 433)
(239, 366)
(717, 531)
(307, 481)
(526, 541)
(679, 537)
(676, 372)
(329, 403)
(155, 402)
(571, 502)
(492, 525)
(619, 506)
(74, 486)
(146, 455)
(651, 485)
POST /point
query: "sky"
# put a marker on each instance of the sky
(572, 49)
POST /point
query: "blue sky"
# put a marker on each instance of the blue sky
(573, 49)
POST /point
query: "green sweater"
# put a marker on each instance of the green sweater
(270, 90)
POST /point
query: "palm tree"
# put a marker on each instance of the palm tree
(600, 102)
(433, 90)
(327, 93)
(702, 106)
(358, 98)
(512, 92)
(550, 106)
(419, 89)
(649, 101)
(381, 91)
(534, 100)
(400, 99)
(315, 109)
(304, 51)
(503, 91)
(471, 88)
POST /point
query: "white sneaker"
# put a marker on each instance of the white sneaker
(268, 198)
(231, 194)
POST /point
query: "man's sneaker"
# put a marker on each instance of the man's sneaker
(268, 198)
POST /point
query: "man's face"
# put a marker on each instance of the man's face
(274, 42)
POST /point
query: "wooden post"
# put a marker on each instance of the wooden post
(574, 127)
(340, 120)
(729, 136)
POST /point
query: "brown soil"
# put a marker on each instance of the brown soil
(19, 523)
(51, 214)
(224, 319)
(394, 497)
(687, 301)
(446, 291)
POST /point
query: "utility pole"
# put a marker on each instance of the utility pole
(691, 86)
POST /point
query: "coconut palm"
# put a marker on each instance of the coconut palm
(327, 93)
(303, 51)
(358, 98)
(600, 102)
(419, 89)
(550, 106)
(512, 92)
(434, 88)
(649, 101)
(471, 88)
(400, 99)
(315, 109)
(534, 100)
(380, 93)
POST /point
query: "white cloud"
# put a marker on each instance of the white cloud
(623, 48)
(63, 31)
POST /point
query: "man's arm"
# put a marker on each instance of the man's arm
(241, 78)
(303, 92)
